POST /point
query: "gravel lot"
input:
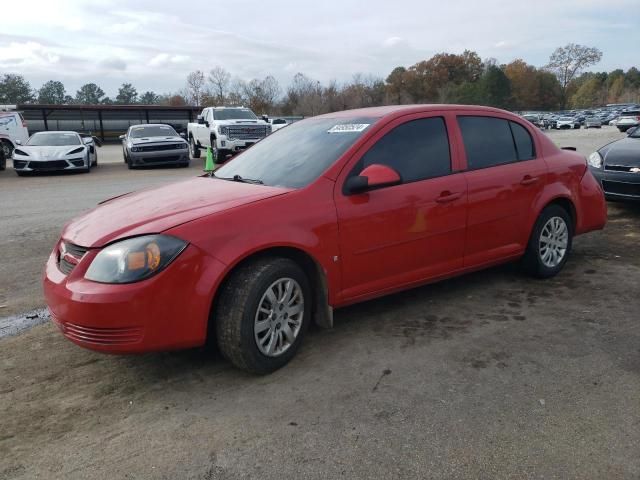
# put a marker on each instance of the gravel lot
(490, 375)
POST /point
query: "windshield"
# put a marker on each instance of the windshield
(54, 140)
(566, 119)
(152, 131)
(295, 156)
(234, 114)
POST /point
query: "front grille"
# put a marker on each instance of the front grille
(242, 133)
(19, 164)
(51, 165)
(167, 159)
(65, 266)
(622, 188)
(73, 252)
(619, 168)
(101, 336)
(158, 148)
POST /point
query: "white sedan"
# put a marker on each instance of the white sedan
(53, 151)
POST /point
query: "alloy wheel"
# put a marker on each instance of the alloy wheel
(554, 241)
(279, 316)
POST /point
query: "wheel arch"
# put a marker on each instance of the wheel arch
(322, 312)
(567, 204)
(561, 199)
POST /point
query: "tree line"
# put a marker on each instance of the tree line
(443, 78)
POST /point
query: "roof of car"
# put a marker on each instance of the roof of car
(142, 125)
(57, 131)
(397, 110)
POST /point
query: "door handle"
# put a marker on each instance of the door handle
(447, 196)
(528, 180)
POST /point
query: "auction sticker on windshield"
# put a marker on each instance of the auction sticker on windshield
(348, 128)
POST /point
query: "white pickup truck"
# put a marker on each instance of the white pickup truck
(226, 130)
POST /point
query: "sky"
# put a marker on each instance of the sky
(154, 44)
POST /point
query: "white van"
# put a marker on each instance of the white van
(12, 127)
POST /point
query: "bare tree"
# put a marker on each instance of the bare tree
(262, 94)
(236, 96)
(566, 62)
(195, 87)
(220, 81)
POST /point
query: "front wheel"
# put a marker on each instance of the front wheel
(193, 148)
(550, 243)
(262, 314)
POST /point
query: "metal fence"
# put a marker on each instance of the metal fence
(105, 121)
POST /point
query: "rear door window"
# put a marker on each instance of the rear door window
(488, 141)
(417, 150)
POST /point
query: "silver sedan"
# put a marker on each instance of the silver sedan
(154, 144)
(55, 151)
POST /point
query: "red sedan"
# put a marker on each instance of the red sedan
(329, 211)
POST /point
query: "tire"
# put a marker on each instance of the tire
(95, 161)
(130, 164)
(537, 262)
(87, 169)
(222, 155)
(237, 312)
(3, 161)
(8, 149)
(195, 151)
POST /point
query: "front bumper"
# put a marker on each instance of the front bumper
(29, 165)
(235, 145)
(165, 312)
(160, 157)
(623, 186)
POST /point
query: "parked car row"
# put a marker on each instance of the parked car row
(623, 118)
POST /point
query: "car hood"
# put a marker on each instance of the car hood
(49, 153)
(240, 122)
(625, 152)
(164, 138)
(158, 209)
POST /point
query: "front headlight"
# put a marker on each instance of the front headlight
(17, 151)
(134, 259)
(595, 160)
(223, 130)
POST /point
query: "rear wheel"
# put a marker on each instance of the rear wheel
(550, 243)
(262, 314)
(3, 160)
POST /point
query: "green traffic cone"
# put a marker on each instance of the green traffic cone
(210, 164)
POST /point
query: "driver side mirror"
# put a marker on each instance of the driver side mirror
(373, 176)
(87, 140)
(183, 135)
(200, 120)
(121, 137)
(18, 142)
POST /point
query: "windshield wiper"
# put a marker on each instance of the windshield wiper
(238, 178)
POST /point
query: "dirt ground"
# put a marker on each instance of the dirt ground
(490, 375)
